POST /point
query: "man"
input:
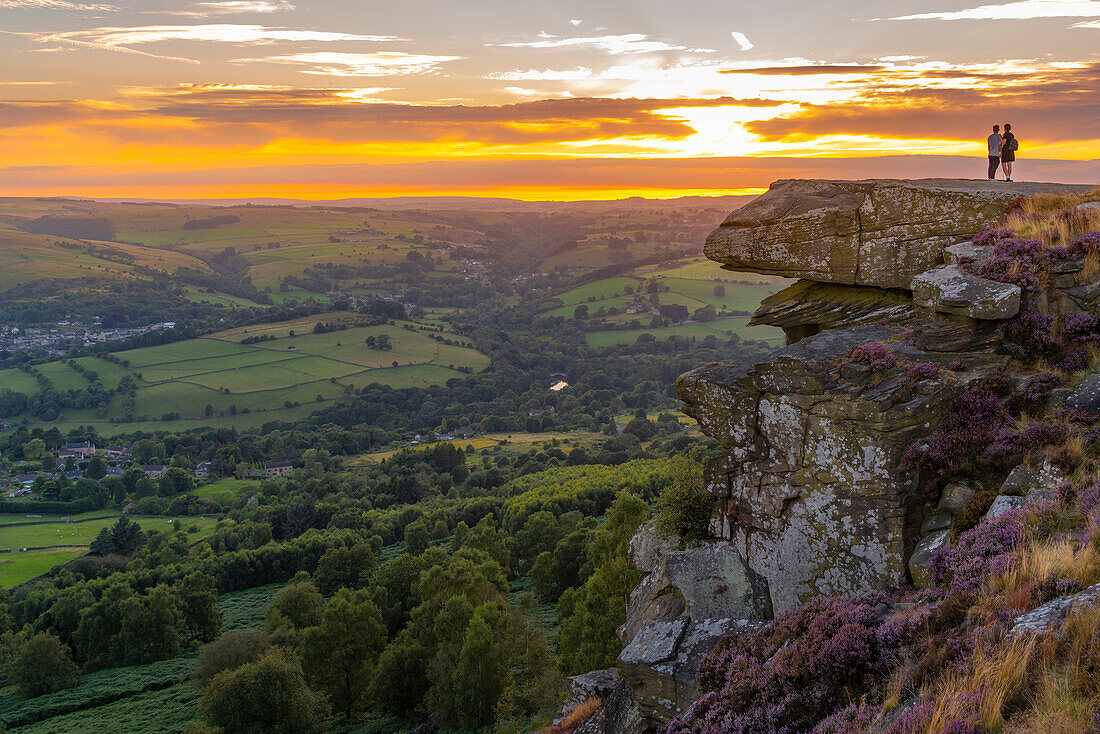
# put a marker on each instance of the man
(1008, 151)
(995, 143)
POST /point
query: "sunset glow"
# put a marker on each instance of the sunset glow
(220, 99)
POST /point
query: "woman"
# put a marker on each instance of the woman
(1008, 151)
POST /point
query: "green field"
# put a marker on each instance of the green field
(68, 540)
(224, 489)
(285, 377)
(693, 284)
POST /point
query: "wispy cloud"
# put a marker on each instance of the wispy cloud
(627, 43)
(78, 43)
(219, 32)
(232, 7)
(31, 84)
(375, 63)
(742, 40)
(1019, 10)
(55, 5)
(576, 21)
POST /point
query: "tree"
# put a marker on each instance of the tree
(580, 313)
(591, 614)
(34, 449)
(268, 696)
(342, 566)
(299, 604)
(228, 652)
(126, 535)
(97, 468)
(198, 601)
(401, 678)
(338, 655)
(479, 677)
(43, 665)
(149, 627)
(416, 537)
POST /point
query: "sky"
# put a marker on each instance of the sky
(570, 99)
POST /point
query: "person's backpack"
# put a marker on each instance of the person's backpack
(1014, 144)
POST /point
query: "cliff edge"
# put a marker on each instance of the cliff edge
(890, 323)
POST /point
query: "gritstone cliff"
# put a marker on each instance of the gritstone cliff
(812, 497)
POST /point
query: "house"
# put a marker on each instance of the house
(6, 426)
(202, 469)
(26, 479)
(277, 469)
(465, 432)
(83, 449)
(74, 474)
(116, 452)
(154, 471)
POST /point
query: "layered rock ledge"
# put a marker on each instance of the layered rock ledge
(878, 232)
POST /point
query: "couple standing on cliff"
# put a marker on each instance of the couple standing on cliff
(1002, 150)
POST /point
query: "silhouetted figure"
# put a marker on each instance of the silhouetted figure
(1009, 146)
(995, 142)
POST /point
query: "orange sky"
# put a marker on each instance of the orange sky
(579, 100)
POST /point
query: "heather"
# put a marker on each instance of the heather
(944, 659)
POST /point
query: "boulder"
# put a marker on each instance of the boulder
(710, 580)
(661, 664)
(812, 490)
(1019, 482)
(964, 252)
(939, 521)
(859, 232)
(1086, 395)
(955, 496)
(952, 289)
(1004, 503)
(1043, 619)
(599, 683)
(920, 563)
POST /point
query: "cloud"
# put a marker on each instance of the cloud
(1019, 10)
(220, 32)
(55, 5)
(576, 21)
(232, 7)
(1087, 24)
(627, 43)
(375, 63)
(65, 40)
(805, 70)
(742, 40)
(1050, 104)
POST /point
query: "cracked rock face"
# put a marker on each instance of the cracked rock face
(709, 580)
(811, 491)
(878, 233)
(952, 289)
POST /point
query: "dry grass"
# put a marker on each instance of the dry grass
(1060, 559)
(997, 680)
(1053, 218)
(577, 716)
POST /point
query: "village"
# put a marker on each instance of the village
(57, 339)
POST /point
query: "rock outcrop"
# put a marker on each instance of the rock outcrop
(812, 495)
(812, 491)
(879, 233)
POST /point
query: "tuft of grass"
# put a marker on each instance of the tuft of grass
(577, 716)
